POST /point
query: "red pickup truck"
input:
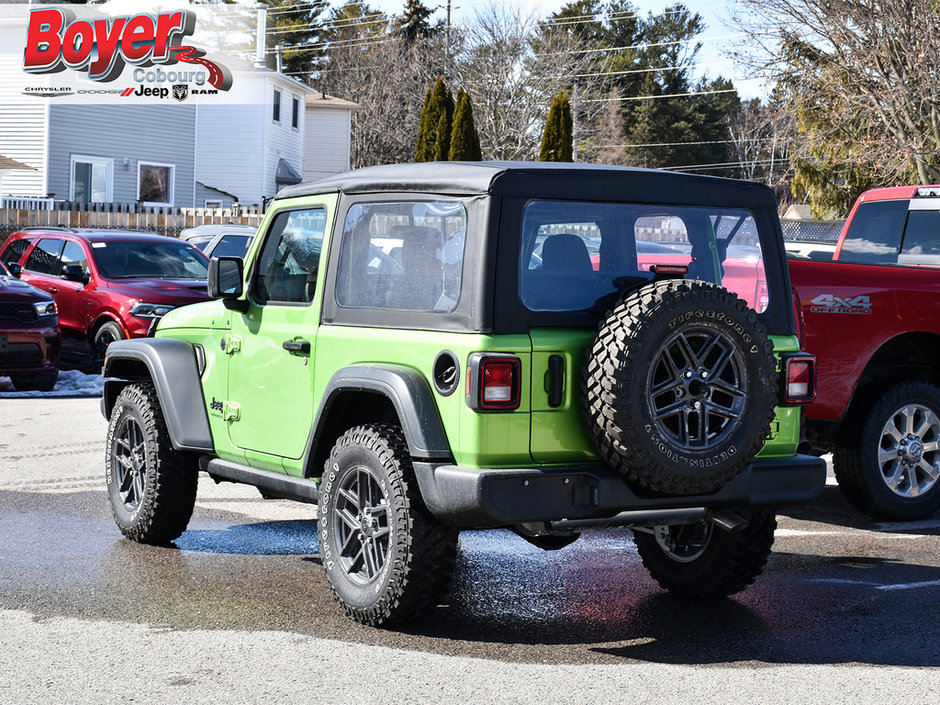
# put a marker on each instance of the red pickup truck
(871, 317)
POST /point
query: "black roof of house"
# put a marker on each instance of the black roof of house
(590, 182)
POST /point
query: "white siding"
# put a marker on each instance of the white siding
(283, 140)
(327, 142)
(230, 149)
(22, 118)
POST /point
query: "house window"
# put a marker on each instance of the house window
(91, 179)
(295, 113)
(277, 106)
(213, 204)
(155, 184)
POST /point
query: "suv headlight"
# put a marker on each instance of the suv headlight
(45, 308)
(145, 310)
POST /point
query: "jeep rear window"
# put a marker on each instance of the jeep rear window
(406, 256)
(578, 256)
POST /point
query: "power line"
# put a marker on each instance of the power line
(658, 97)
(680, 144)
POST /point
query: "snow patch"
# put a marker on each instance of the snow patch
(72, 383)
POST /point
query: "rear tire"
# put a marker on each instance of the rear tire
(703, 560)
(890, 467)
(387, 559)
(151, 486)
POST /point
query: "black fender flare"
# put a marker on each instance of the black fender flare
(410, 395)
(171, 365)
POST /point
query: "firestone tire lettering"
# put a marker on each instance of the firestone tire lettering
(654, 411)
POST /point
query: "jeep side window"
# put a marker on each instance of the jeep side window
(402, 256)
(44, 259)
(576, 256)
(287, 269)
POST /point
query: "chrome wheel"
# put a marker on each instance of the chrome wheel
(130, 460)
(683, 543)
(361, 525)
(697, 388)
(907, 451)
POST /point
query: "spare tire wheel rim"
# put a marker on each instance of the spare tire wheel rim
(697, 388)
(907, 450)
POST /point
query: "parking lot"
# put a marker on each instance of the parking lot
(240, 610)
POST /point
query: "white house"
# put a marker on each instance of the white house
(326, 143)
(162, 152)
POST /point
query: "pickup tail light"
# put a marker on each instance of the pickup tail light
(494, 382)
(799, 379)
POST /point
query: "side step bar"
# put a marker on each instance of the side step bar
(272, 484)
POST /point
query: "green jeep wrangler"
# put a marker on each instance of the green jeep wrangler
(419, 349)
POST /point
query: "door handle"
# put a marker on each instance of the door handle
(556, 374)
(297, 346)
(53, 290)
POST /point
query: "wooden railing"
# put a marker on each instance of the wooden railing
(167, 221)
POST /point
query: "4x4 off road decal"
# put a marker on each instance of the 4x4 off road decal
(830, 303)
(56, 40)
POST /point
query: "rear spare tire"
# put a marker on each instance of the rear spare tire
(679, 386)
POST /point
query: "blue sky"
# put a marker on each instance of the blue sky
(715, 39)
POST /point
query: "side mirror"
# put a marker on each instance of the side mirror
(75, 273)
(226, 276)
(16, 269)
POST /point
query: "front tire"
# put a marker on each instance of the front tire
(890, 469)
(387, 559)
(151, 486)
(703, 560)
(104, 336)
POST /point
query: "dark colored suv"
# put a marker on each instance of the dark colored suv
(108, 285)
(29, 335)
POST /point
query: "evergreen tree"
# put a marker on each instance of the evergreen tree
(557, 143)
(414, 23)
(296, 25)
(464, 141)
(433, 143)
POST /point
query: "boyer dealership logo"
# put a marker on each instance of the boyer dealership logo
(56, 40)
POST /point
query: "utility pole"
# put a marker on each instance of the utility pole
(447, 72)
(574, 122)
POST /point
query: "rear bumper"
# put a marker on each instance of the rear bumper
(487, 498)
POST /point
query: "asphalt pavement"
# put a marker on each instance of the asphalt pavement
(239, 610)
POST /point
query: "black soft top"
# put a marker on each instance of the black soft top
(585, 182)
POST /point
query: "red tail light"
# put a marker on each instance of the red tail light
(799, 378)
(494, 382)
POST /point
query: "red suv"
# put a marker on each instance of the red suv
(29, 335)
(108, 284)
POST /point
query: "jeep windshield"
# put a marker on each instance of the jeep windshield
(149, 260)
(581, 256)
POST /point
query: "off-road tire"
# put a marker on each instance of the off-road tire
(151, 486)
(863, 478)
(399, 562)
(643, 377)
(726, 564)
(35, 383)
